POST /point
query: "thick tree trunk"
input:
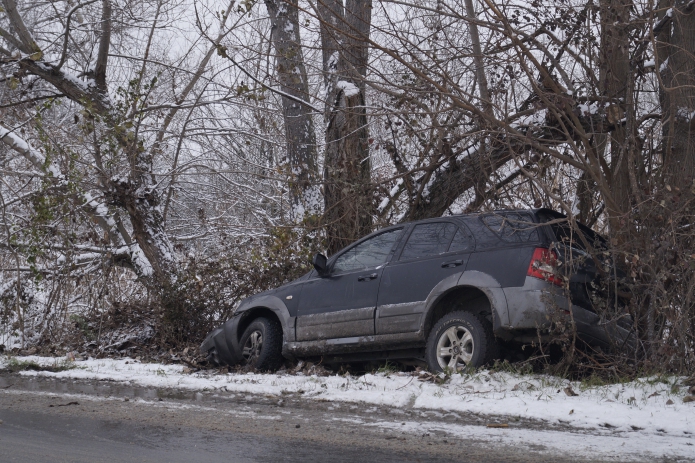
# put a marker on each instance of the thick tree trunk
(614, 73)
(483, 171)
(676, 53)
(299, 126)
(348, 200)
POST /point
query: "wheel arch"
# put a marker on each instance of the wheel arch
(271, 306)
(475, 292)
(248, 316)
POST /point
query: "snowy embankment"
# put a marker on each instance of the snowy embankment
(651, 408)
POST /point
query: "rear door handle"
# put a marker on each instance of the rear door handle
(452, 263)
(367, 277)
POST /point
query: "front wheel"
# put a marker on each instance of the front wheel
(460, 340)
(261, 345)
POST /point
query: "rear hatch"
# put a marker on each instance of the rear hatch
(580, 250)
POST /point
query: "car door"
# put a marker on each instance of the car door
(342, 304)
(432, 252)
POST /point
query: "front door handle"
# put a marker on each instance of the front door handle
(452, 263)
(367, 277)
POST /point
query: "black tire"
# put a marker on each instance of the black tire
(462, 340)
(261, 345)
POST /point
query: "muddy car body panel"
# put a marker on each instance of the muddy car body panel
(381, 296)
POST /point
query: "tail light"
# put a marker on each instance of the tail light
(544, 266)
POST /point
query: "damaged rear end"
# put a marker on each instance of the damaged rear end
(594, 290)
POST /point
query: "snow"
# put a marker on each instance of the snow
(664, 65)
(635, 416)
(348, 88)
(649, 63)
(100, 210)
(587, 109)
(17, 143)
(631, 447)
(333, 60)
(385, 202)
(535, 119)
(140, 260)
(686, 113)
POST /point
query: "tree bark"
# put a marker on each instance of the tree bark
(348, 202)
(153, 257)
(299, 125)
(677, 45)
(614, 72)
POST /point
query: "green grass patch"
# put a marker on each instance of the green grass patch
(517, 368)
(14, 366)
(388, 368)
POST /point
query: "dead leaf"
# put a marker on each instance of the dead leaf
(572, 411)
(688, 398)
(570, 392)
(497, 425)
(669, 402)
(653, 394)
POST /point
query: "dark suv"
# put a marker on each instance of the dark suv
(442, 290)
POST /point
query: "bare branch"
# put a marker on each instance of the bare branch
(64, 54)
(104, 44)
(17, 22)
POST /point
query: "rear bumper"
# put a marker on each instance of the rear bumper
(537, 304)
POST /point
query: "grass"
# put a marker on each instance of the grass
(520, 368)
(388, 368)
(14, 366)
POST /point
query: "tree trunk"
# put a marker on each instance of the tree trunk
(348, 200)
(614, 72)
(151, 255)
(299, 126)
(677, 45)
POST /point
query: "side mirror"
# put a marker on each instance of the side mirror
(321, 264)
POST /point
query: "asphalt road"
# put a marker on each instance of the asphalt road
(47, 420)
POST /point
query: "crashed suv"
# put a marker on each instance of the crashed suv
(445, 291)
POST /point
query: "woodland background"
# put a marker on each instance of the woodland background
(161, 160)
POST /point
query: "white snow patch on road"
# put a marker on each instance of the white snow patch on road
(634, 446)
(645, 415)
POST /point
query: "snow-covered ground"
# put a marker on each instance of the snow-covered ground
(644, 417)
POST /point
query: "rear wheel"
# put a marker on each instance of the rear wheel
(460, 340)
(261, 345)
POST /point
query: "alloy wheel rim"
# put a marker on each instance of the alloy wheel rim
(253, 345)
(455, 348)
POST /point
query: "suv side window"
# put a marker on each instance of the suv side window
(429, 239)
(368, 254)
(463, 241)
(513, 228)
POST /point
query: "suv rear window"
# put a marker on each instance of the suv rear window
(567, 235)
(512, 227)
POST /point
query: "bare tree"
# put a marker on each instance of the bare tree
(347, 166)
(297, 112)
